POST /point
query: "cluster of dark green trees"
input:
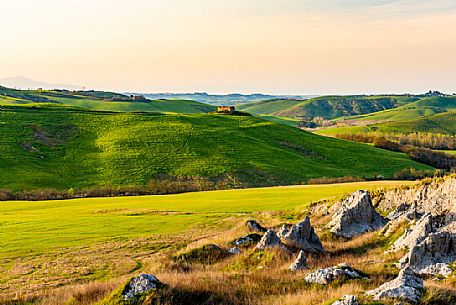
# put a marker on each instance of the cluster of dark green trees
(419, 139)
(416, 145)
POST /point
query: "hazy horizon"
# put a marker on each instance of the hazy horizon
(285, 47)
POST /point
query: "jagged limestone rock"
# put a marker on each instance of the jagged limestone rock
(254, 226)
(406, 211)
(415, 235)
(356, 216)
(302, 236)
(433, 255)
(139, 285)
(437, 197)
(328, 275)
(431, 241)
(269, 240)
(300, 263)
(406, 286)
(284, 229)
(347, 300)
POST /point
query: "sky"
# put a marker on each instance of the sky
(224, 46)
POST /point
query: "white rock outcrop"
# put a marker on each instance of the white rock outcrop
(356, 216)
(328, 275)
(300, 263)
(437, 197)
(284, 229)
(347, 300)
(302, 236)
(139, 285)
(406, 286)
(431, 239)
(269, 240)
(416, 234)
(433, 255)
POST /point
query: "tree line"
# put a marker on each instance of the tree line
(417, 139)
(422, 155)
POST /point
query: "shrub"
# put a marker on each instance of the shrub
(413, 174)
(326, 180)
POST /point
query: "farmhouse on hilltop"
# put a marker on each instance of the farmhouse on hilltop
(226, 109)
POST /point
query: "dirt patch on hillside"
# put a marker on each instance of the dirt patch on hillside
(53, 138)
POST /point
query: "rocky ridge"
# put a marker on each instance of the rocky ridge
(356, 216)
(406, 286)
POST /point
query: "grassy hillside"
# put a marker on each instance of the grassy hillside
(99, 100)
(279, 119)
(424, 107)
(61, 147)
(359, 108)
(268, 106)
(444, 123)
(330, 107)
(426, 115)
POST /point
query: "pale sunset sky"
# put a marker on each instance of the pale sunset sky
(222, 46)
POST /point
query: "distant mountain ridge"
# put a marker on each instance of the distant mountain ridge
(19, 82)
(221, 99)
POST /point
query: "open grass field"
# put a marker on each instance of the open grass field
(280, 119)
(61, 148)
(48, 244)
(32, 228)
(333, 131)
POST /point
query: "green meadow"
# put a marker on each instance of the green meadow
(60, 147)
(33, 228)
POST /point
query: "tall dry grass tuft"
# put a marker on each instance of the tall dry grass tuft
(83, 294)
(315, 296)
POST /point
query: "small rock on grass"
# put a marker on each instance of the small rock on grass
(347, 300)
(139, 285)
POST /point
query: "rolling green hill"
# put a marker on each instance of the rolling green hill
(429, 115)
(444, 123)
(63, 147)
(100, 100)
(421, 108)
(268, 106)
(331, 107)
(359, 108)
(328, 107)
